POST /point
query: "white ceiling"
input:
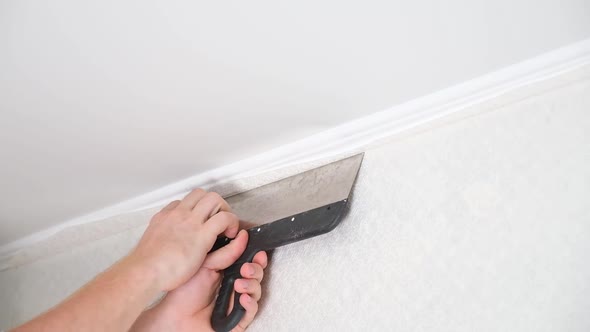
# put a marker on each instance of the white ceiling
(103, 100)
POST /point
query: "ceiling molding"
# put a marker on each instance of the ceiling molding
(342, 140)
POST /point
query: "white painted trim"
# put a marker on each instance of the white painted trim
(349, 137)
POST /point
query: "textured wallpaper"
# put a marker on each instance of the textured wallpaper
(479, 225)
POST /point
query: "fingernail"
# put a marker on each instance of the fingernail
(244, 284)
(249, 270)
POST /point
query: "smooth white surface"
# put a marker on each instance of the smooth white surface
(478, 225)
(104, 101)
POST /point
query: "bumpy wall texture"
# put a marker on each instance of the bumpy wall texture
(479, 225)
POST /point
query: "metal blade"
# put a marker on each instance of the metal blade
(296, 194)
(302, 206)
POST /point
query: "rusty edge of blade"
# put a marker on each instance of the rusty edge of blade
(298, 193)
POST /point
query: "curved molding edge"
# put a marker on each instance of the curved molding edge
(509, 84)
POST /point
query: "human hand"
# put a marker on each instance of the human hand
(189, 307)
(178, 237)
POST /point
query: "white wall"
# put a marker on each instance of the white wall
(479, 225)
(102, 101)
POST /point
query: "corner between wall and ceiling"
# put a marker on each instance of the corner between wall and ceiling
(490, 91)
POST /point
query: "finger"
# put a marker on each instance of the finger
(251, 307)
(190, 201)
(209, 205)
(227, 255)
(248, 286)
(170, 206)
(225, 223)
(261, 258)
(198, 292)
(252, 271)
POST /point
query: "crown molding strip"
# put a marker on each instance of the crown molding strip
(342, 140)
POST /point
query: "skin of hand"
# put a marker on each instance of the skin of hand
(178, 237)
(189, 307)
(172, 255)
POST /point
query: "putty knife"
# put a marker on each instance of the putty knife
(290, 210)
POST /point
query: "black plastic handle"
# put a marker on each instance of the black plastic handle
(220, 321)
(267, 237)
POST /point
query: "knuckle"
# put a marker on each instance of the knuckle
(214, 196)
(197, 191)
(157, 217)
(254, 307)
(227, 217)
(231, 217)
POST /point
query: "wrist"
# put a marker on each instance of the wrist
(142, 273)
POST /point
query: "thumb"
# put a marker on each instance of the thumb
(224, 257)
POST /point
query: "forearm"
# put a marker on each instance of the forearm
(110, 302)
(172, 249)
